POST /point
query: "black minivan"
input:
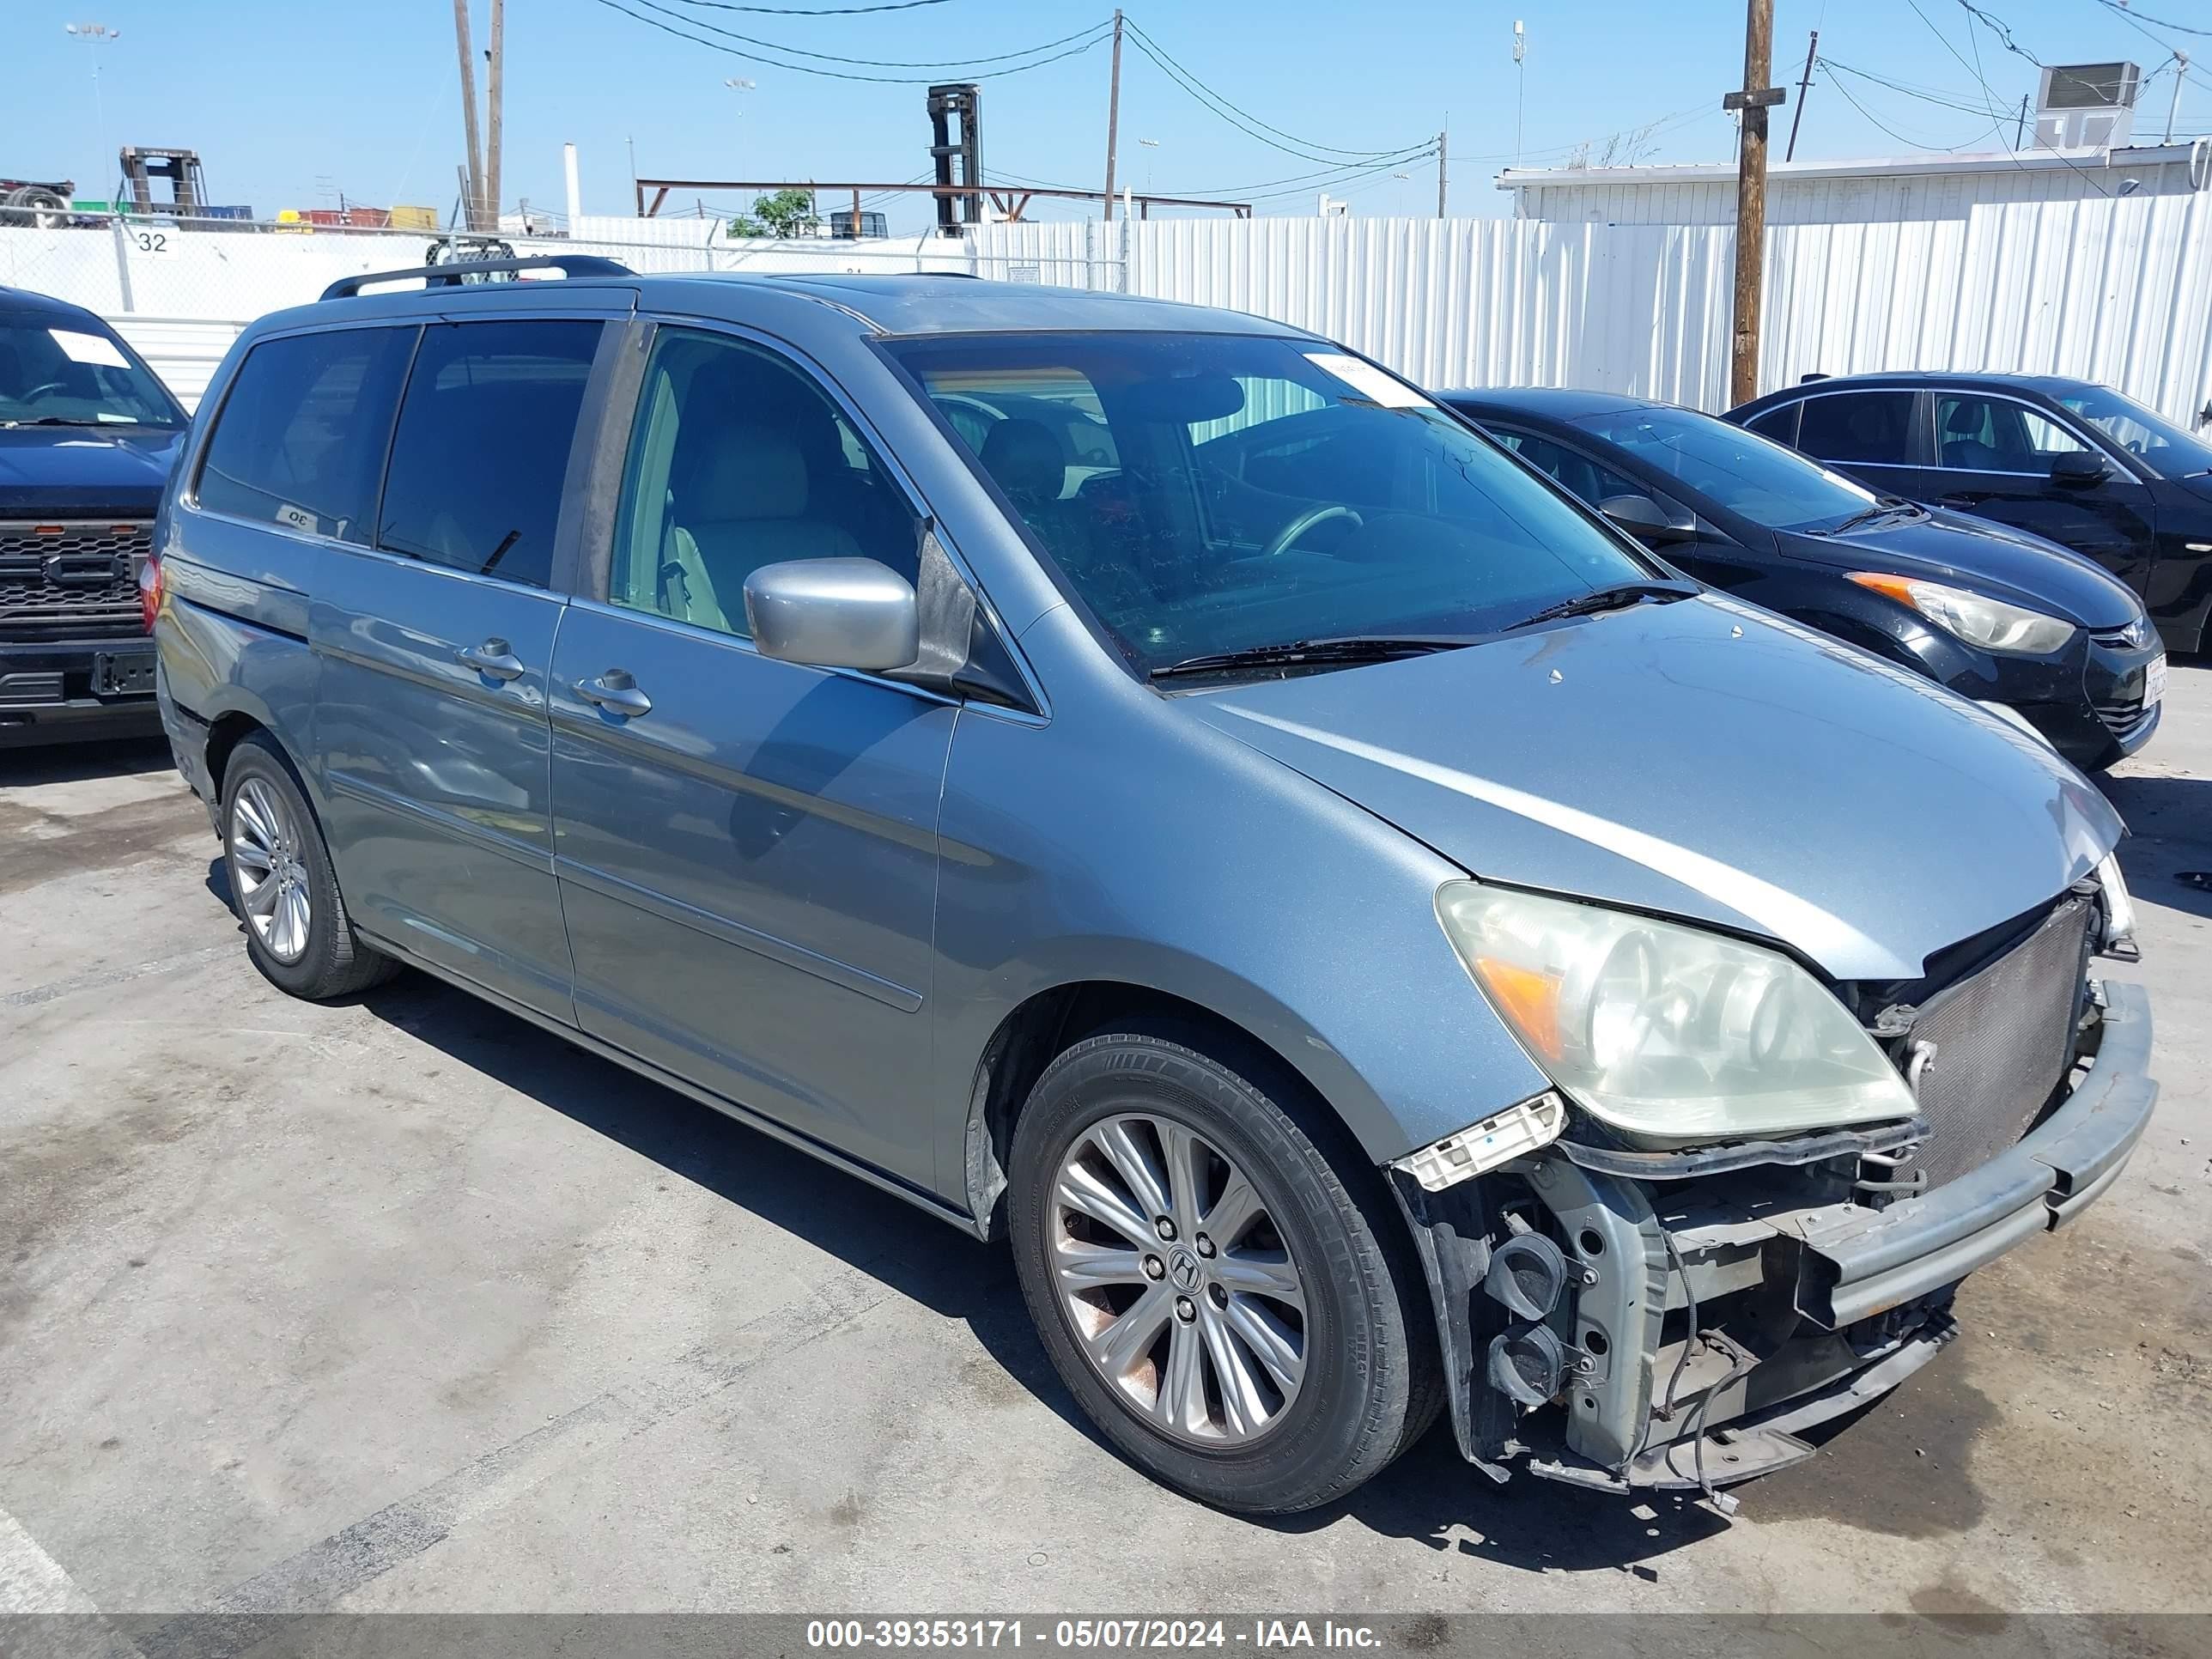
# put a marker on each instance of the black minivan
(2070, 460)
(87, 434)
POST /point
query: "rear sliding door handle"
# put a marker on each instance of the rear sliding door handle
(616, 693)
(494, 659)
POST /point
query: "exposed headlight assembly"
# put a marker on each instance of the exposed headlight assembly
(1991, 623)
(1669, 1033)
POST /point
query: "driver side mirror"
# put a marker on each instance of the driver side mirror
(1645, 520)
(833, 613)
(2078, 469)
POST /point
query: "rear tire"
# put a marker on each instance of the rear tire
(282, 885)
(1292, 1358)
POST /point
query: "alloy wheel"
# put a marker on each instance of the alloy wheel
(1181, 1290)
(272, 883)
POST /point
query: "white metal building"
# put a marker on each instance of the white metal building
(1900, 190)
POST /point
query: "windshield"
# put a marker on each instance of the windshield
(1208, 494)
(52, 372)
(2142, 432)
(1750, 476)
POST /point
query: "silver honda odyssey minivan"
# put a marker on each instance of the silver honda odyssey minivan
(1146, 783)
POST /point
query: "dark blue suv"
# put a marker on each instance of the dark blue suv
(87, 437)
(2070, 460)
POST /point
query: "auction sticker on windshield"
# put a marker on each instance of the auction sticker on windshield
(81, 348)
(1369, 381)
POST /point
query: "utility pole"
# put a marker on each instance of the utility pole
(2181, 73)
(1113, 112)
(472, 195)
(1752, 102)
(2019, 127)
(494, 76)
(1441, 137)
(1804, 87)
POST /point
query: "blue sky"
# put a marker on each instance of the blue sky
(289, 103)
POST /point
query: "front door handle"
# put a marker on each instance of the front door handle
(1962, 502)
(617, 693)
(494, 659)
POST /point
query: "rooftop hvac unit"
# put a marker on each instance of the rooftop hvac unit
(2086, 105)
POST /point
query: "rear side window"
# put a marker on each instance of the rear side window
(300, 435)
(481, 454)
(1872, 427)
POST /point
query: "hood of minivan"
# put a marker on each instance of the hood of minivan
(1706, 760)
(64, 472)
(1988, 558)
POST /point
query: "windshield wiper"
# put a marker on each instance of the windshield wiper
(1607, 599)
(65, 420)
(1294, 654)
(1881, 509)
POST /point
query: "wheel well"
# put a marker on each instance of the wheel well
(1042, 1029)
(224, 736)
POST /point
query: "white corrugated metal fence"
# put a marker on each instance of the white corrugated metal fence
(2116, 289)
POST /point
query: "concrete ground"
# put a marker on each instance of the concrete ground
(406, 1305)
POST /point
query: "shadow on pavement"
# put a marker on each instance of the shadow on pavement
(73, 762)
(1430, 1495)
(2170, 836)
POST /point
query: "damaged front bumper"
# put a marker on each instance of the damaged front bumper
(1619, 1321)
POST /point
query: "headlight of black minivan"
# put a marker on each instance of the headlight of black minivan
(1667, 1033)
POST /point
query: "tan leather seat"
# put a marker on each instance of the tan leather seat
(744, 506)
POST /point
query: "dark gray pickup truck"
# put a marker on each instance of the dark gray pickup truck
(87, 437)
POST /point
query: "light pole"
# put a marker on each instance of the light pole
(96, 34)
(1149, 145)
(1520, 85)
(1398, 196)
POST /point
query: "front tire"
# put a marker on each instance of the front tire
(1226, 1310)
(282, 885)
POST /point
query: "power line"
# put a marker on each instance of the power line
(1319, 185)
(1973, 68)
(822, 11)
(836, 75)
(1988, 111)
(2002, 30)
(2139, 19)
(1251, 125)
(865, 63)
(1419, 153)
(1830, 65)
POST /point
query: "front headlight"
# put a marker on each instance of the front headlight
(1668, 1033)
(1991, 623)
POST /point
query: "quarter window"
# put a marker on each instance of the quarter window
(481, 455)
(738, 460)
(1779, 424)
(1874, 428)
(300, 435)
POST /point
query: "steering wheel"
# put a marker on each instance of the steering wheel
(36, 391)
(1287, 537)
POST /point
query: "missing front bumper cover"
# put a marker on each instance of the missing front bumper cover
(1818, 1272)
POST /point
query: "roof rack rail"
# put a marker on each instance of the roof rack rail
(460, 272)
